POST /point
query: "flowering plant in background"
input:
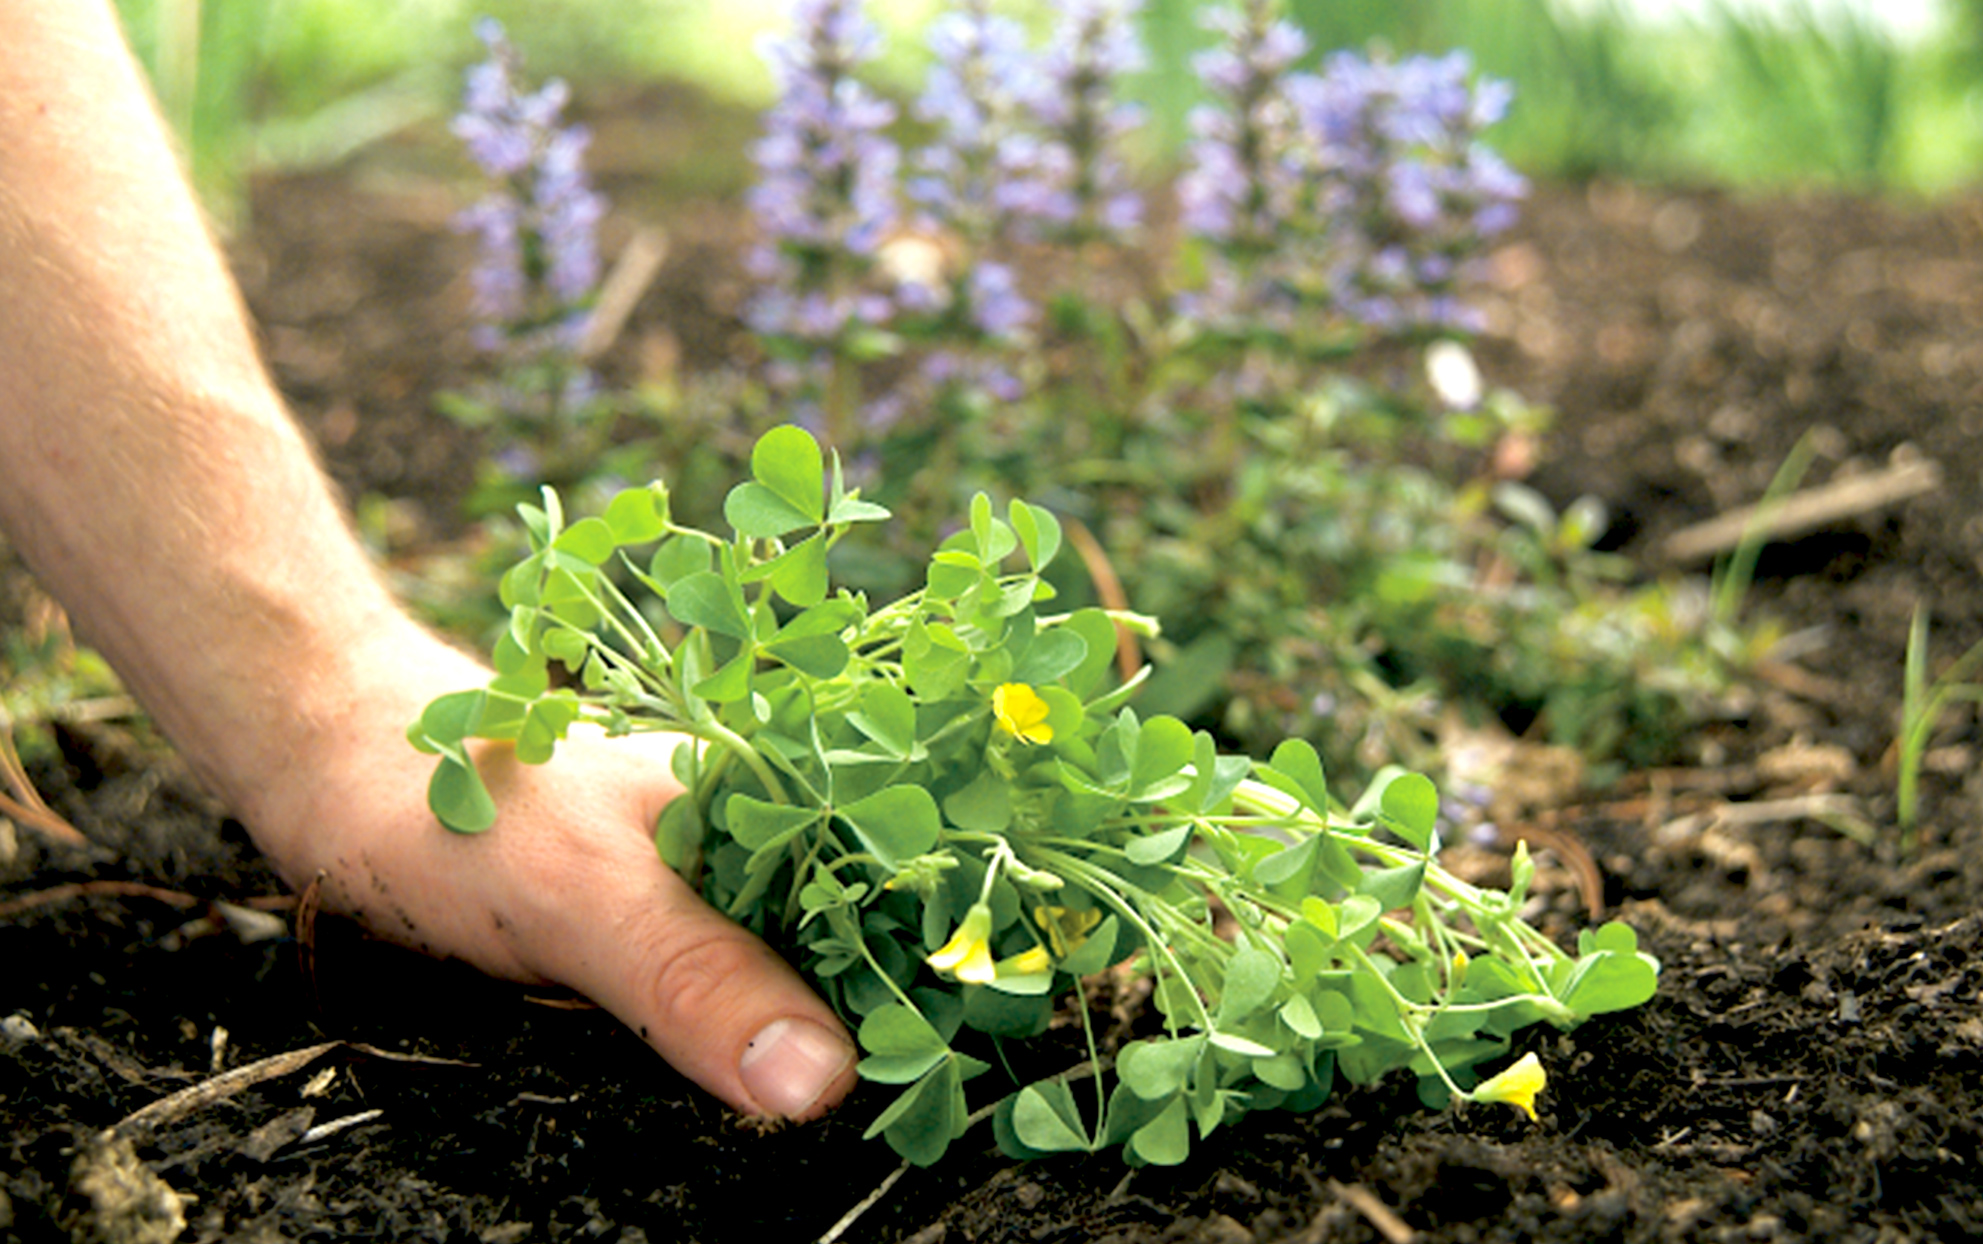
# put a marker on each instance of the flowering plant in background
(537, 270)
(1256, 409)
(826, 200)
(946, 810)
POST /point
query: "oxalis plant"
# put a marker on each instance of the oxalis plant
(948, 810)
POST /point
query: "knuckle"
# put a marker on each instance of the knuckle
(695, 973)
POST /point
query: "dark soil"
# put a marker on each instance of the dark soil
(1811, 1069)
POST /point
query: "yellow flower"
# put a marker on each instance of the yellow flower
(1517, 1086)
(1032, 962)
(1021, 713)
(1066, 928)
(967, 955)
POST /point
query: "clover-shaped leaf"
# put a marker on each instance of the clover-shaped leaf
(896, 823)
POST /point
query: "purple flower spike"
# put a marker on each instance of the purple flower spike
(537, 227)
(1364, 190)
(1076, 177)
(825, 200)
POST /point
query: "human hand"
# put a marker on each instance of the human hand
(566, 888)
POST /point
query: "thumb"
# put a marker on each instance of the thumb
(721, 1006)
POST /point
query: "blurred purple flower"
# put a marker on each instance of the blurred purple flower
(1242, 178)
(1075, 176)
(825, 197)
(1416, 192)
(536, 228)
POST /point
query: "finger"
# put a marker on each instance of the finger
(714, 1000)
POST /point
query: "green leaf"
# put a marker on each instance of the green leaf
(1007, 1015)
(1098, 631)
(1053, 654)
(589, 539)
(899, 1068)
(1252, 976)
(447, 720)
(730, 683)
(678, 835)
(896, 823)
(543, 726)
(854, 510)
(1615, 935)
(757, 824)
(1283, 1071)
(1095, 953)
(1296, 760)
(678, 558)
(1166, 1139)
(1158, 848)
(982, 807)
(1163, 748)
(1393, 888)
(1157, 1068)
(705, 600)
(787, 462)
(888, 716)
(935, 660)
(1410, 806)
(819, 656)
(1233, 1043)
(1611, 981)
(1356, 913)
(921, 1123)
(799, 573)
(1321, 915)
(1289, 871)
(635, 516)
(896, 1029)
(759, 513)
(1308, 950)
(566, 647)
(458, 797)
(954, 573)
(1038, 531)
(1046, 1118)
(1298, 1013)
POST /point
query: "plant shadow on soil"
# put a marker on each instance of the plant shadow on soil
(1812, 1067)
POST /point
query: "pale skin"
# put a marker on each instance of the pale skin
(153, 480)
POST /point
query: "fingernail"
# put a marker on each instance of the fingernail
(791, 1063)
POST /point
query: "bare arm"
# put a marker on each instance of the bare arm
(152, 478)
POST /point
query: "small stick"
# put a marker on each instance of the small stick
(335, 1126)
(1803, 512)
(218, 1088)
(1079, 1072)
(1128, 654)
(639, 262)
(1381, 1216)
(26, 804)
(868, 1202)
(97, 889)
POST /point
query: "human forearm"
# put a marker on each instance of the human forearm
(148, 471)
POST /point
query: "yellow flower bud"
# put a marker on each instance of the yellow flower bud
(1021, 713)
(1517, 1086)
(967, 955)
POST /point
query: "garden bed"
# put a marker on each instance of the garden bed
(1812, 1064)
